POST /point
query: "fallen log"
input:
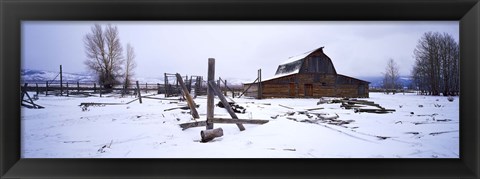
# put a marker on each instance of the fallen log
(313, 109)
(193, 124)
(210, 134)
(100, 104)
(238, 121)
(378, 111)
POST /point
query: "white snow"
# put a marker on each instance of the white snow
(63, 130)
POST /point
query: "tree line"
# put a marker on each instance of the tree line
(105, 56)
(436, 70)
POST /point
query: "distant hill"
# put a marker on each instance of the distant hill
(377, 81)
(37, 76)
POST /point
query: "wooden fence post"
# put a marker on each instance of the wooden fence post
(139, 95)
(158, 88)
(67, 88)
(259, 96)
(46, 88)
(94, 87)
(61, 81)
(190, 101)
(165, 81)
(78, 86)
(146, 87)
(101, 87)
(36, 85)
(210, 95)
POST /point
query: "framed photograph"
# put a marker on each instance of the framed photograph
(208, 89)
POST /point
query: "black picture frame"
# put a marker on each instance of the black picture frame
(14, 11)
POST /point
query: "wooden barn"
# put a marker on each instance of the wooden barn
(309, 75)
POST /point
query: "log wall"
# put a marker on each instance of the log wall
(324, 85)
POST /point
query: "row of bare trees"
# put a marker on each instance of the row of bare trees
(436, 70)
(105, 56)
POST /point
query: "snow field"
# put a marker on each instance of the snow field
(64, 130)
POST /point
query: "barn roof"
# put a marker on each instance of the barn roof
(293, 65)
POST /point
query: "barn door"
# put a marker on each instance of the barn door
(308, 90)
(292, 89)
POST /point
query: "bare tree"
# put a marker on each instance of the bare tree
(436, 68)
(391, 76)
(129, 66)
(104, 54)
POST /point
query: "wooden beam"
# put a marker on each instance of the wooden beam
(193, 124)
(237, 121)
(210, 95)
(225, 103)
(248, 88)
(139, 95)
(190, 101)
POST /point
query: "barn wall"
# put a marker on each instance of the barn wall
(324, 85)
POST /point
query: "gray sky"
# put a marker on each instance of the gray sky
(357, 49)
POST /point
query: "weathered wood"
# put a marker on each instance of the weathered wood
(23, 91)
(36, 89)
(247, 88)
(193, 124)
(190, 101)
(237, 121)
(138, 93)
(259, 96)
(210, 134)
(46, 88)
(379, 111)
(313, 109)
(61, 81)
(210, 93)
(285, 106)
(67, 89)
(100, 104)
(225, 103)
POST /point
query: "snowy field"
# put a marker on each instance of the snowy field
(421, 127)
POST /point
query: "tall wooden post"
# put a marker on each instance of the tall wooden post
(61, 81)
(36, 85)
(210, 93)
(138, 91)
(67, 88)
(165, 81)
(158, 88)
(78, 86)
(146, 87)
(259, 96)
(46, 88)
(94, 87)
(101, 87)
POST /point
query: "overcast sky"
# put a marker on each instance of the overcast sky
(357, 49)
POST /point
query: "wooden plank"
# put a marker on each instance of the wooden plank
(285, 106)
(248, 88)
(210, 95)
(225, 103)
(237, 121)
(190, 101)
(193, 124)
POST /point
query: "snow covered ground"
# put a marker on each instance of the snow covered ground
(64, 130)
